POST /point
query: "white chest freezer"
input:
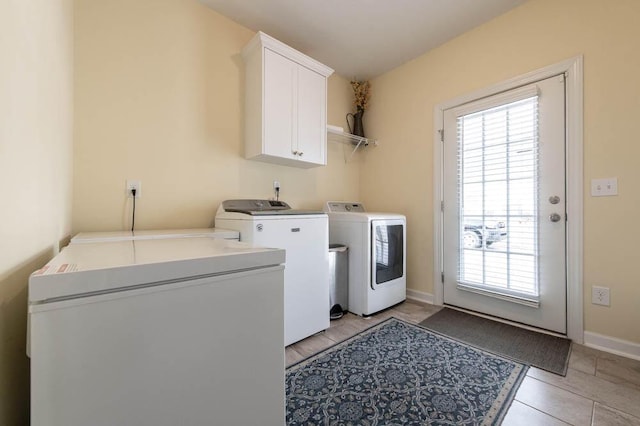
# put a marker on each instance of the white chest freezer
(150, 234)
(158, 332)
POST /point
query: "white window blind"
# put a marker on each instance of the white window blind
(498, 193)
(382, 245)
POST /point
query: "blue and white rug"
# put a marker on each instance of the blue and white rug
(396, 373)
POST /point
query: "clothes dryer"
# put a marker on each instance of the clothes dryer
(377, 255)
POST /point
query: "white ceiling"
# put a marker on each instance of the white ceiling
(362, 38)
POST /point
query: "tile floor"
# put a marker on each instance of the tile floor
(599, 389)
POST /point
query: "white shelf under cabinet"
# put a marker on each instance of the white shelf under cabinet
(356, 142)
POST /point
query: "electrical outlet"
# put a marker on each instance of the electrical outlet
(134, 184)
(600, 295)
(276, 184)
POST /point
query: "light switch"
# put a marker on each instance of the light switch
(604, 187)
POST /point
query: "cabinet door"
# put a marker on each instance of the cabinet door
(280, 75)
(312, 110)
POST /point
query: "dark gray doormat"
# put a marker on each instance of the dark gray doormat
(541, 350)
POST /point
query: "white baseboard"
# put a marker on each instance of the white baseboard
(420, 296)
(611, 344)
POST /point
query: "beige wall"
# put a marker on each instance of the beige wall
(159, 97)
(36, 113)
(398, 175)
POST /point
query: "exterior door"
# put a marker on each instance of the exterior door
(504, 208)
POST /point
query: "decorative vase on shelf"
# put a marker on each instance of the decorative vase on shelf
(356, 128)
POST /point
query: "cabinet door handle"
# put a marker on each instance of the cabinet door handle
(295, 152)
(300, 153)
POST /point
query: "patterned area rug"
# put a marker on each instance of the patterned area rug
(396, 373)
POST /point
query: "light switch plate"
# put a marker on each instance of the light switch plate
(604, 187)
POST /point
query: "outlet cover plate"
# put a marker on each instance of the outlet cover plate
(134, 184)
(600, 295)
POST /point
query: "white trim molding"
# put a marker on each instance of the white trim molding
(573, 70)
(420, 296)
(612, 345)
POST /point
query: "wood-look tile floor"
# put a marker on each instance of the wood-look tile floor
(599, 389)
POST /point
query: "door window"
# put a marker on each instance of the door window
(497, 181)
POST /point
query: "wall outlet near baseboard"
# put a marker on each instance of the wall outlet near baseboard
(600, 295)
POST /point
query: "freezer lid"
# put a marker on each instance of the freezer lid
(90, 268)
(92, 237)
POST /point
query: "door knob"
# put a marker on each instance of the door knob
(554, 199)
(555, 217)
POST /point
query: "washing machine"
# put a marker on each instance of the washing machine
(377, 255)
(304, 234)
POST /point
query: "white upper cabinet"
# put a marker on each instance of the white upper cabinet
(285, 104)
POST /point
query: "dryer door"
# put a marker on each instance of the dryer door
(387, 251)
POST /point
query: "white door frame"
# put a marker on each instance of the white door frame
(573, 68)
